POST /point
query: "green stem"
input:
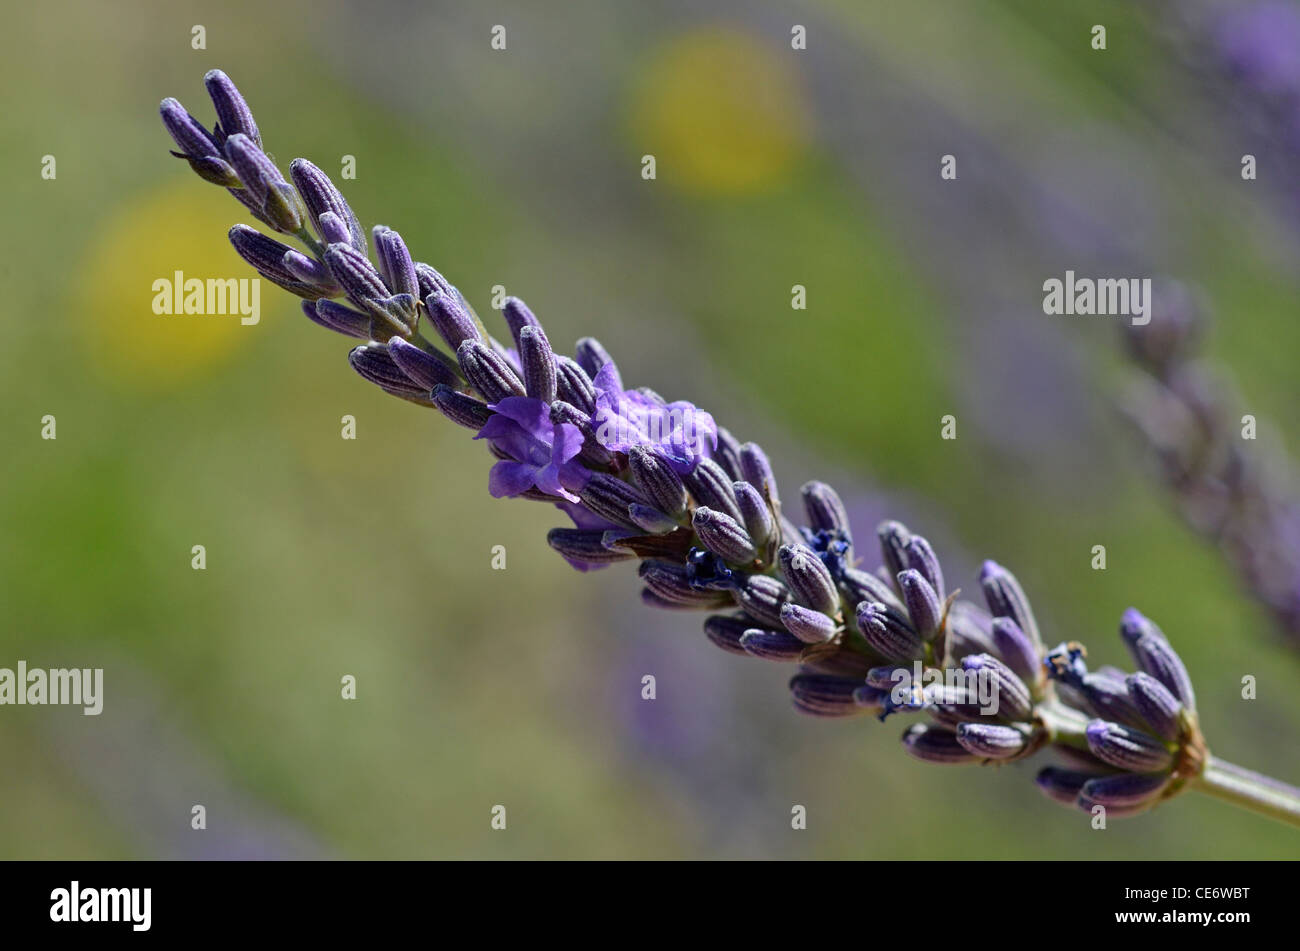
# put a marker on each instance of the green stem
(1250, 790)
(1065, 725)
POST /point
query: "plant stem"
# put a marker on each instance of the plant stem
(1250, 790)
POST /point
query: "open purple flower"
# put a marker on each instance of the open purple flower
(679, 432)
(542, 453)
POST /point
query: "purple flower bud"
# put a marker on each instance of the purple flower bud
(812, 627)
(1016, 650)
(1134, 625)
(583, 546)
(922, 603)
(1062, 785)
(724, 536)
(862, 586)
(756, 469)
(356, 275)
(726, 632)
(451, 321)
(233, 114)
(538, 362)
(889, 632)
(425, 370)
(1006, 599)
(345, 321)
(657, 479)
(809, 578)
(1124, 791)
(518, 316)
(321, 198)
(309, 271)
(992, 740)
(1127, 748)
(1155, 656)
(727, 454)
(754, 513)
(1011, 697)
(430, 280)
(573, 385)
(919, 556)
(332, 230)
(1108, 698)
(935, 744)
(489, 373)
(825, 510)
(671, 582)
(187, 132)
(772, 645)
(610, 497)
(395, 264)
(894, 537)
(761, 597)
(376, 364)
(1159, 708)
(197, 145)
(263, 253)
(460, 409)
(591, 356)
(710, 486)
(824, 696)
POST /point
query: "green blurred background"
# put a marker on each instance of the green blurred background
(521, 168)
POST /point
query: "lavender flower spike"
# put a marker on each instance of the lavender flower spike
(658, 482)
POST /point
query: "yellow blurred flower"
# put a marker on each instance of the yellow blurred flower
(180, 226)
(720, 112)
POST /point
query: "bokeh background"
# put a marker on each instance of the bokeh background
(522, 168)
